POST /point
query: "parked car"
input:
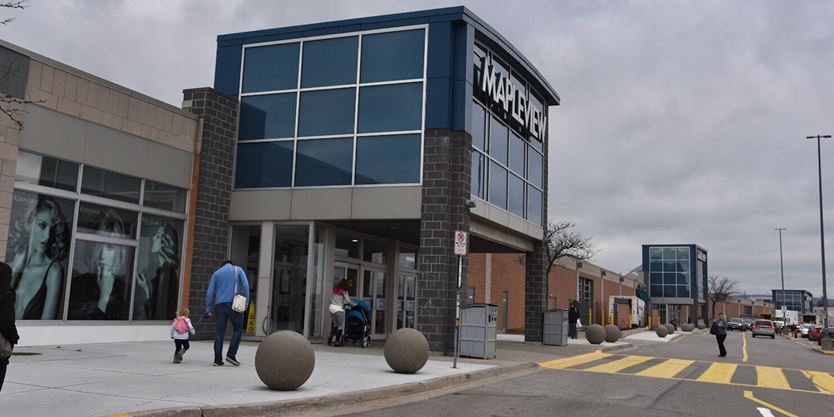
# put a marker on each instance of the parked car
(817, 332)
(735, 323)
(764, 328)
(805, 328)
(748, 323)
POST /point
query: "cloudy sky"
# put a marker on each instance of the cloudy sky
(680, 121)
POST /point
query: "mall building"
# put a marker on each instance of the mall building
(343, 150)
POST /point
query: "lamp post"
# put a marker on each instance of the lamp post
(822, 232)
(782, 269)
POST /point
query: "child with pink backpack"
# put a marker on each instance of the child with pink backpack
(179, 332)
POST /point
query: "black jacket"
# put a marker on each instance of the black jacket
(7, 327)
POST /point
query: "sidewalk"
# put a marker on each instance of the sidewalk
(111, 378)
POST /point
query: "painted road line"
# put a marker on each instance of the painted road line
(765, 412)
(823, 380)
(667, 369)
(620, 364)
(744, 347)
(770, 377)
(718, 373)
(574, 360)
(749, 396)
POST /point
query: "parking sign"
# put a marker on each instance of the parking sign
(461, 239)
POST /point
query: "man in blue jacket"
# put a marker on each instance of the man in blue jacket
(226, 282)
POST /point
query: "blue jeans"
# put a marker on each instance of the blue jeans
(222, 313)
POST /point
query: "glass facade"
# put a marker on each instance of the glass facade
(327, 121)
(118, 258)
(795, 300)
(669, 272)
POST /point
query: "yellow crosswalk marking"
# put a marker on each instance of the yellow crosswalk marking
(770, 377)
(823, 380)
(620, 364)
(719, 373)
(667, 369)
(574, 360)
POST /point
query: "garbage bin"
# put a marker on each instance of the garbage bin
(478, 330)
(555, 328)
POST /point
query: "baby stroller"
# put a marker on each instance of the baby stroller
(357, 325)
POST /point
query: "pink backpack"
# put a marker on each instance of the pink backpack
(180, 325)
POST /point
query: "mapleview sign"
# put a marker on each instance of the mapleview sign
(501, 91)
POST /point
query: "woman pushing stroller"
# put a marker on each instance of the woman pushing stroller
(338, 301)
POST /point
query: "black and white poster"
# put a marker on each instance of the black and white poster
(157, 281)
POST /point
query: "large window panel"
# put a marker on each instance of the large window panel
(517, 147)
(158, 282)
(107, 221)
(395, 107)
(388, 159)
(270, 68)
(326, 112)
(266, 164)
(534, 168)
(497, 185)
(164, 197)
(48, 172)
(329, 62)
(498, 140)
(478, 174)
(267, 116)
(534, 205)
(37, 250)
(107, 184)
(101, 281)
(392, 56)
(478, 127)
(322, 162)
(515, 194)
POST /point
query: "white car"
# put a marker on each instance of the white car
(805, 328)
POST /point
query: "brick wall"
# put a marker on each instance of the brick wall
(446, 185)
(211, 225)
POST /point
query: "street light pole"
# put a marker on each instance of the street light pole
(782, 268)
(822, 231)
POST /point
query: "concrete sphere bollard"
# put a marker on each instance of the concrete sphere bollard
(612, 333)
(670, 328)
(285, 360)
(595, 334)
(406, 351)
(688, 327)
(661, 331)
(701, 325)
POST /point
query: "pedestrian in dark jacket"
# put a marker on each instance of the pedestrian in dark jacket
(719, 329)
(573, 316)
(7, 327)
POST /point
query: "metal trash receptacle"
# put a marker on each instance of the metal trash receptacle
(555, 328)
(478, 330)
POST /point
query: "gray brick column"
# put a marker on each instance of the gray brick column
(446, 184)
(535, 285)
(211, 225)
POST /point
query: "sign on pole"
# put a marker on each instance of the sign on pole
(460, 243)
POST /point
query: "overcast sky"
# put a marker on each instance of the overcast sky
(681, 122)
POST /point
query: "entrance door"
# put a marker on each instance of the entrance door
(586, 301)
(505, 305)
(372, 291)
(289, 277)
(406, 300)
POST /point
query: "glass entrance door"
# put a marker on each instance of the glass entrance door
(406, 300)
(373, 292)
(289, 277)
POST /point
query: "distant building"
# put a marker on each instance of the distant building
(677, 279)
(796, 300)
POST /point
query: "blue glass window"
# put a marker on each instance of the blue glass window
(392, 56)
(515, 194)
(656, 278)
(669, 291)
(324, 162)
(534, 205)
(683, 253)
(478, 127)
(683, 291)
(669, 253)
(478, 174)
(657, 291)
(517, 147)
(498, 140)
(683, 265)
(669, 279)
(390, 108)
(388, 159)
(326, 112)
(669, 265)
(655, 253)
(682, 279)
(534, 167)
(270, 68)
(264, 164)
(497, 185)
(329, 62)
(268, 116)
(655, 265)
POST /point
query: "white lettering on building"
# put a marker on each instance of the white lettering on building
(503, 92)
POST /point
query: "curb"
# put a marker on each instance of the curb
(298, 406)
(824, 352)
(814, 348)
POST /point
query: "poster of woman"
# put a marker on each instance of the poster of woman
(157, 285)
(37, 250)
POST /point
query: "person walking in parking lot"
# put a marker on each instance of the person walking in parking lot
(573, 316)
(225, 284)
(719, 329)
